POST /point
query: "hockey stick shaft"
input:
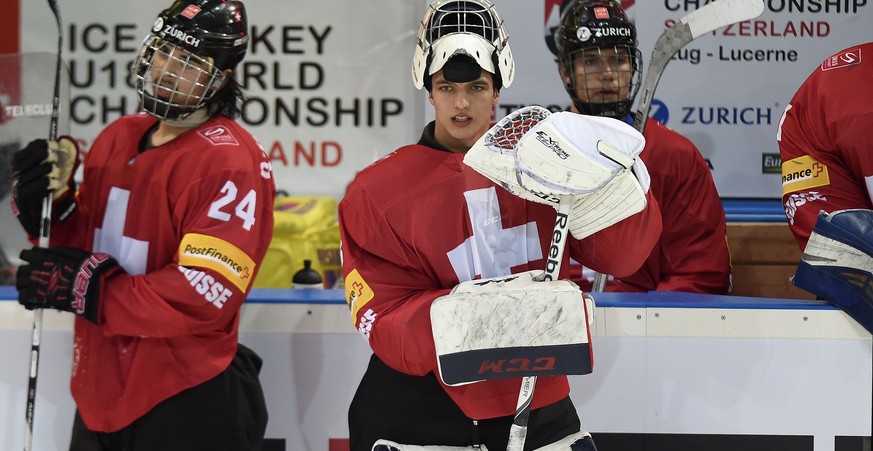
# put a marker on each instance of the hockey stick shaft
(44, 232)
(704, 20)
(518, 430)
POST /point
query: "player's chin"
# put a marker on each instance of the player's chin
(606, 97)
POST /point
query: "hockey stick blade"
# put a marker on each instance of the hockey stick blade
(705, 20)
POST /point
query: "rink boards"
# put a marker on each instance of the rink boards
(672, 371)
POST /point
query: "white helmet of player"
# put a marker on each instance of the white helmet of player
(462, 27)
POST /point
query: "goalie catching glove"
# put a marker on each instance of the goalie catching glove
(837, 263)
(64, 278)
(511, 326)
(542, 157)
(41, 168)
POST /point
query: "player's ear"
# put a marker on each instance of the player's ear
(430, 97)
(564, 75)
(496, 97)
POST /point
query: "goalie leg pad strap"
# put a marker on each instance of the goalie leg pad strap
(388, 445)
(580, 441)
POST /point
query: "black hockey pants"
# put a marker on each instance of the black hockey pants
(225, 413)
(415, 410)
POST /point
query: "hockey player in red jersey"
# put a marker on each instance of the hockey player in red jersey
(419, 222)
(826, 146)
(157, 251)
(826, 143)
(601, 73)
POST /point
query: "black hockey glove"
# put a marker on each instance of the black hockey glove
(42, 167)
(63, 278)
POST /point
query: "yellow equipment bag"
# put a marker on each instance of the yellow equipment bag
(306, 228)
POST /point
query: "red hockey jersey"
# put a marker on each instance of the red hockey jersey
(826, 141)
(692, 255)
(420, 221)
(190, 222)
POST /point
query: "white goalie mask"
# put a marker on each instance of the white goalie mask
(462, 27)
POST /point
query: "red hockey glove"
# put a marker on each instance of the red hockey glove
(42, 167)
(63, 278)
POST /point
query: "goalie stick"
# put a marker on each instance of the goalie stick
(518, 430)
(44, 232)
(704, 20)
(560, 159)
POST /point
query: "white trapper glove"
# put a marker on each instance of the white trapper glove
(542, 157)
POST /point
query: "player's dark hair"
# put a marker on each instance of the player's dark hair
(228, 100)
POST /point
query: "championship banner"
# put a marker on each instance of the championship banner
(328, 83)
(331, 90)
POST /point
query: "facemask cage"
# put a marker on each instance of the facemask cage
(615, 67)
(463, 17)
(598, 35)
(179, 84)
(470, 27)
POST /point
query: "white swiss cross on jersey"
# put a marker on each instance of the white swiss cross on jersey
(492, 250)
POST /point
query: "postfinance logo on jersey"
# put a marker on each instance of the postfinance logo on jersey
(803, 173)
(358, 293)
(206, 251)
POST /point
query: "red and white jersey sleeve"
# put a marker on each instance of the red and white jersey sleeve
(190, 222)
(825, 141)
(418, 222)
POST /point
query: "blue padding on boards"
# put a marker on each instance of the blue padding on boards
(753, 210)
(500, 363)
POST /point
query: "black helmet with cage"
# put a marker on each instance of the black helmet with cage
(204, 40)
(463, 37)
(589, 28)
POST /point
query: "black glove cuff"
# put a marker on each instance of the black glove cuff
(62, 209)
(85, 293)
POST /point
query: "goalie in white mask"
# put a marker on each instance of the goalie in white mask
(419, 223)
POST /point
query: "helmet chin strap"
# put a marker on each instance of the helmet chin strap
(192, 120)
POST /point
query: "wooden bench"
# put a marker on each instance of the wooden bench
(764, 256)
